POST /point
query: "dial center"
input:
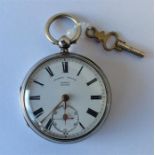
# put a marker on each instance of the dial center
(65, 117)
(65, 97)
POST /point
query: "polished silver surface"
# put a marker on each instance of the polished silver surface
(62, 15)
(33, 124)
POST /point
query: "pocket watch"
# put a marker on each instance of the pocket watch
(65, 97)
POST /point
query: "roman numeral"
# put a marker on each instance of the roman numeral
(65, 67)
(38, 112)
(81, 125)
(96, 97)
(49, 124)
(48, 69)
(79, 71)
(35, 97)
(92, 81)
(39, 83)
(92, 112)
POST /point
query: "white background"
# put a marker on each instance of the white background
(129, 127)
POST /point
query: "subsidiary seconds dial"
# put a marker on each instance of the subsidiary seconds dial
(65, 97)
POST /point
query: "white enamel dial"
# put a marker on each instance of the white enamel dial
(65, 97)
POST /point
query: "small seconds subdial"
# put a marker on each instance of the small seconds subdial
(65, 120)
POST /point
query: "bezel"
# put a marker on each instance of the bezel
(33, 125)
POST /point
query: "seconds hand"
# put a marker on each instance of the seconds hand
(65, 98)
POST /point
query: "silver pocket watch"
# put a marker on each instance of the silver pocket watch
(65, 97)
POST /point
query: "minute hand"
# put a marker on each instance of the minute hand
(65, 98)
(52, 111)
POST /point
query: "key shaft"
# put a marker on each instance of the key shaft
(123, 46)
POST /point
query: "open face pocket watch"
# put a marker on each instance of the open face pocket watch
(65, 96)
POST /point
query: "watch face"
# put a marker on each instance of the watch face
(65, 97)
